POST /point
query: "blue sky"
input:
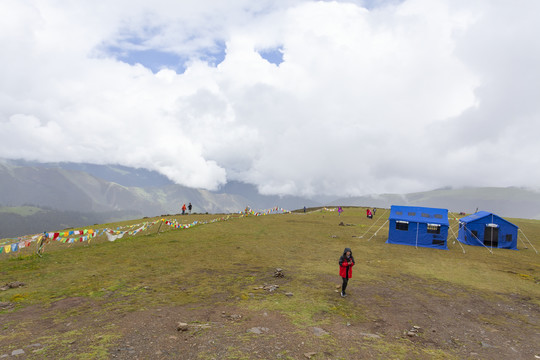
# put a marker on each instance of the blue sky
(157, 60)
(296, 97)
(154, 60)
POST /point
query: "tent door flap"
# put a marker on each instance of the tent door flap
(491, 236)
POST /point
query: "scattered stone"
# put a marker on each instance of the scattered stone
(12, 285)
(279, 273)
(4, 356)
(338, 286)
(486, 345)
(318, 331)
(341, 224)
(35, 345)
(17, 352)
(374, 336)
(5, 305)
(414, 331)
(204, 326)
(309, 355)
(182, 326)
(270, 287)
(289, 294)
(233, 317)
(258, 330)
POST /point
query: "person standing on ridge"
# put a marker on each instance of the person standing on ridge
(346, 262)
(190, 207)
(184, 209)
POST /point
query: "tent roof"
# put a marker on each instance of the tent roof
(482, 214)
(419, 214)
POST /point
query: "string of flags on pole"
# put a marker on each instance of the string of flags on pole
(86, 235)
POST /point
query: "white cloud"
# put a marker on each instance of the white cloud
(405, 96)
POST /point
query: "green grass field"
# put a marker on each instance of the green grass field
(221, 263)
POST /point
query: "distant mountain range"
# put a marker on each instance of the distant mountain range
(65, 195)
(511, 202)
(78, 195)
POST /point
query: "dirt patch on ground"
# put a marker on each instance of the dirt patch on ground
(404, 318)
(439, 316)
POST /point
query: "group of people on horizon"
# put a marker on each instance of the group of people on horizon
(189, 207)
(369, 213)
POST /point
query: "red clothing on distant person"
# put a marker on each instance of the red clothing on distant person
(346, 262)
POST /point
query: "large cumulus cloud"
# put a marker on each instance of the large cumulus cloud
(400, 96)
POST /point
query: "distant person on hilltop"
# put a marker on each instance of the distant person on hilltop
(369, 215)
(374, 211)
(346, 262)
(190, 207)
(184, 209)
(339, 210)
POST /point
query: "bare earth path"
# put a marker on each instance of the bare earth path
(432, 320)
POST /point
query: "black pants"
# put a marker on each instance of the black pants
(344, 285)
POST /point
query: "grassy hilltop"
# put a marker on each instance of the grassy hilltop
(125, 299)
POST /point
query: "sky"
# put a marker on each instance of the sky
(297, 97)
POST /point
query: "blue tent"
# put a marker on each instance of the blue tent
(485, 228)
(418, 226)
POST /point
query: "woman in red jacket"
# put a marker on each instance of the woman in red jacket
(346, 262)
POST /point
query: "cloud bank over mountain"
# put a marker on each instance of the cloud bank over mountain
(296, 97)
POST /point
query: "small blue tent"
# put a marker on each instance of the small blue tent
(418, 226)
(485, 228)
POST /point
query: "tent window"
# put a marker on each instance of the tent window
(411, 213)
(437, 242)
(433, 229)
(425, 215)
(509, 237)
(437, 216)
(402, 225)
(399, 212)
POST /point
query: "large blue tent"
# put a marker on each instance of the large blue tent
(487, 229)
(418, 226)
